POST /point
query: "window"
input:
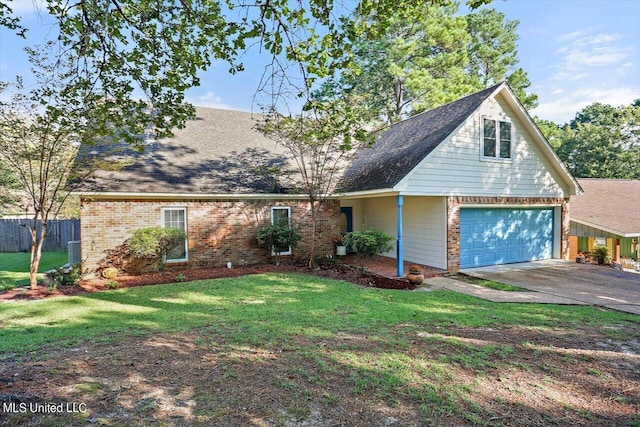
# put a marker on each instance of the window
(496, 139)
(281, 216)
(176, 218)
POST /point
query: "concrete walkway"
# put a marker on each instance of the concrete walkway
(495, 295)
(553, 282)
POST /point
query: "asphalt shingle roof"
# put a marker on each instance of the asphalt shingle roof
(400, 148)
(218, 152)
(609, 203)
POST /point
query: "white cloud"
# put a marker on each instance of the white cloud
(583, 49)
(211, 100)
(563, 108)
(572, 36)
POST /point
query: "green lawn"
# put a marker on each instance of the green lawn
(281, 349)
(14, 267)
(265, 308)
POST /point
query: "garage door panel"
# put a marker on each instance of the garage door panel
(500, 236)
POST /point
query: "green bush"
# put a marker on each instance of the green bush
(156, 243)
(277, 238)
(67, 276)
(601, 255)
(367, 243)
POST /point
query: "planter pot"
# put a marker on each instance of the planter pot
(341, 250)
(415, 279)
(580, 260)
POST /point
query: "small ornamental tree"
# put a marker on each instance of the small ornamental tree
(156, 243)
(278, 238)
(367, 243)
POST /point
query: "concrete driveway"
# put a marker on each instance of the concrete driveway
(582, 283)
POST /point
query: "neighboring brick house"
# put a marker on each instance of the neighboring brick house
(218, 179)
(471, 183)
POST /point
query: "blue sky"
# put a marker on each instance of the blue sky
(575, 52)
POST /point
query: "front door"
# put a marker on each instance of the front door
(346, 222)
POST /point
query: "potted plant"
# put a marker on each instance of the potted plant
(415, 275)
(341, 249)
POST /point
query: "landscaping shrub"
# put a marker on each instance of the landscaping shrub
(367, 243)
(601, 255)
(278, 238)
(156, 243)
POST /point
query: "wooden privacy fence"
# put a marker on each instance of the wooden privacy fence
(15, 235)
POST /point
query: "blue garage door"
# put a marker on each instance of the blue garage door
(502, 236)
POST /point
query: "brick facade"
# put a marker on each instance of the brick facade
(218, 230)
(453, 221)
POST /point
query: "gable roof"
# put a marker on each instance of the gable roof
(401, 147)
(608, 204)
(218, 152)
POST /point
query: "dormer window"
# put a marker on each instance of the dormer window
(496, 142)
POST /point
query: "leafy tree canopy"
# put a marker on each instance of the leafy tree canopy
(138, 57)
(426, 60)
(602, 141)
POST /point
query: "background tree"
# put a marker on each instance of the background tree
(554, 132)
(426, 60)
(494, 53)
(602, 141)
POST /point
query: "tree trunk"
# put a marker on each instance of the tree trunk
(36, 250)
(312, 248)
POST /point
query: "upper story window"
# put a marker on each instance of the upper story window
(281, 216)
(176, 218)
(496, 142)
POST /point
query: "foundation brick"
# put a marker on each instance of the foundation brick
(218, 231)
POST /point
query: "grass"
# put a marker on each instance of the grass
(266, 308)
(490, 284)
(309, 342)
(14, 267)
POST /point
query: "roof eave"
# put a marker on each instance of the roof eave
(186, 196)
(605, 228)
(385, 192)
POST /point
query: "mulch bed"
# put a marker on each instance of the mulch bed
(338, 272)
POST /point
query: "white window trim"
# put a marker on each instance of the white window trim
(289, 220)
(497, 157)
(186, 228)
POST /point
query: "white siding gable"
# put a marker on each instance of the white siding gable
(457, 168)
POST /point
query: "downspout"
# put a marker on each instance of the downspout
(399, 243)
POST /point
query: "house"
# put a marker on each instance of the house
(467, 184)
(607, 215)
(218, 179)
(471, 183)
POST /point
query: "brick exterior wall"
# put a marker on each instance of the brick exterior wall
(218, 230)
(453, 221)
